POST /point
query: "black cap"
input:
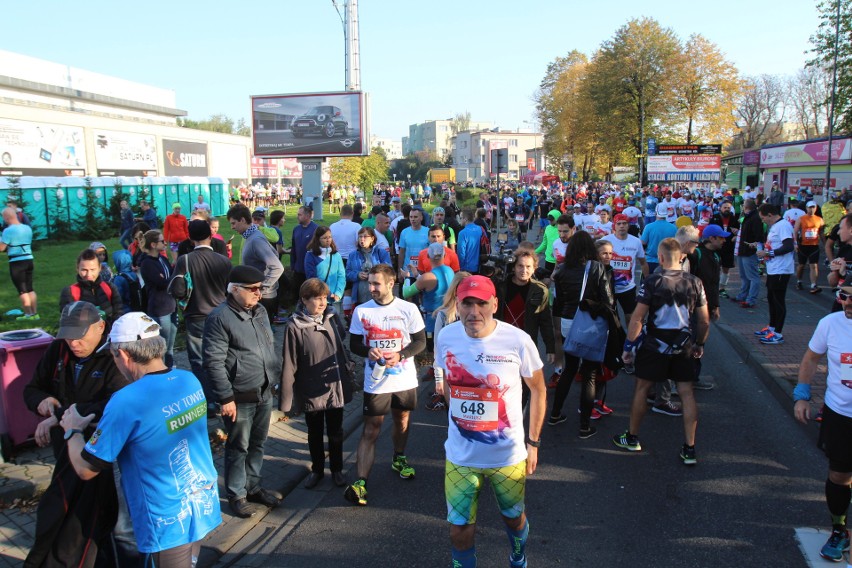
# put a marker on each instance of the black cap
(199, 230)
(243, 274)
(76, 319)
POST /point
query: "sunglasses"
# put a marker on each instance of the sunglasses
(843, 296)
(254, 289)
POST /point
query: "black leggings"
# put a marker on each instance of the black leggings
(776, 293)
(333, 419)
(589, 371)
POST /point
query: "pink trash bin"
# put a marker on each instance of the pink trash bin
(20, 352)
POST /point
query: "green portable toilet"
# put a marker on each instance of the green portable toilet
(156, 187)
(202, 187)
(130, 186)
(34, 202)
(75, 190)
(218, 195)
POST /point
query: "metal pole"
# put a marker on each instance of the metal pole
(641, 140)
(827, 184)
(352, 44)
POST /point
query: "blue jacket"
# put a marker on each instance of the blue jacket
(301, 237)
(329, 269)
(356, 261)
(468, 248)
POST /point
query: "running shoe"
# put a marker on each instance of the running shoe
(703, 385)
(356, 493)
(668, 408)
(837, 544)
(554, 379)
(629, 368)
(772, 339)
(723, 293)
(522, 563)
(595, 415)
(627, 441)
(763, 332)
(586, 433)
(687, 455)
(400, 465)
(746, 305)
(554, 420)
(798, 285)
(602, 408)
(436, 402)
(815, 290)
(28, 317)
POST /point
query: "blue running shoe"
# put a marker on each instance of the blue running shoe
(837, 543)
(772, 339)
(763, 332)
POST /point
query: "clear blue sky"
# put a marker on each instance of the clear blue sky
(420, 59)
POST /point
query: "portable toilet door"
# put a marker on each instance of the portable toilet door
(35, 203)
(75, 190)
(130, 186)
(157, 190)
(201, 188)
(218, 195)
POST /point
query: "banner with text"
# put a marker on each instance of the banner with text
(41, 149)
(686, 168)
(807, 154)
(185, 158)
(125, 153)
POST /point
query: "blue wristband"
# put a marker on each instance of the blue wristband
(801, 392)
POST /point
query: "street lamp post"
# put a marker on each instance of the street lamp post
(827, 185)
(394, 179)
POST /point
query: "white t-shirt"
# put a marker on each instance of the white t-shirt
(389, 328)
(484, 387)
(633, 214)
(623, 263)
(687, 206)
(382, 242)
(833, 336)
(792, 215)
(589, 222)
(602, 229)
(667, 209)
(783, 264)
(345, 235)
(559, 249)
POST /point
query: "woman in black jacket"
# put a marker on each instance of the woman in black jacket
(155, 270)
(568, 279)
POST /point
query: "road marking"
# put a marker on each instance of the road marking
(810, 542)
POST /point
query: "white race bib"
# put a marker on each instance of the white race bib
(388, 340)
(474, 409)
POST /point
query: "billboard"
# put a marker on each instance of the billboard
(684, 168)
(125, 153)
(687, 149)
(185, 158)
(41, 149)
(310, 125)
(806, 154)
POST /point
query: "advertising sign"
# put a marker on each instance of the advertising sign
(185, 158)
(807, 154)
(40, 149)
(263, 168)
(652, 146)
(688, 149)
(751, 158)
(306, 125)
(125, 153)
(684, 168)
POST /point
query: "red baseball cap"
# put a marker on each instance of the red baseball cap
(621, 217)
(478, 287)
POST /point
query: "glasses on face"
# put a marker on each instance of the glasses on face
(695, 242)
(253, 289)
(843, 296)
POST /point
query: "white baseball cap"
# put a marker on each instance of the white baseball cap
(133, 326)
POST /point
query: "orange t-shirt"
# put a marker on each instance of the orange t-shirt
(810, 226)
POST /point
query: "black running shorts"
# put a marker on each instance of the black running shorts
(380, 404)
(22, 275)
(834, 435)
(656, 367)
(808, 254)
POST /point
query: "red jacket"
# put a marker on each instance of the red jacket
(175, 228)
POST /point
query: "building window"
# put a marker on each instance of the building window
(464, 144)
(513, 158)
(513, 142)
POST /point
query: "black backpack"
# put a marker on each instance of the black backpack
(137, 299)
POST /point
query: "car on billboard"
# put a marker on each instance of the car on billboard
(324, 120)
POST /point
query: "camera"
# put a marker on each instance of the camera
(497, 267)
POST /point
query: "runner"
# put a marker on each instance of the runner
(627, 251)
(833, 337)
(388, 331)
(778, 254)
(807, 230)
(485, 362)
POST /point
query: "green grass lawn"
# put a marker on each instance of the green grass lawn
(55, 268)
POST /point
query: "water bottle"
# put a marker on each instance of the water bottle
(378, 369)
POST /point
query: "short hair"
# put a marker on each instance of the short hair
(142, 351)
(480, 213)
(601, 243)
(524, 245)
(435, 228)
(239, 212)
(305, 209)
(386, 270)
(275, 217)
(202, 214)
(686, 234)
(87, 254)
(151, 238)
(406, 210)
(847, 218)
(347, 211)
(313, 288)
(669, 248)
(416, 210)
(566, 220)
(749, 204)
(357, 210)
(467, 214)
(769, 209)
(144, 227)
(526, 253)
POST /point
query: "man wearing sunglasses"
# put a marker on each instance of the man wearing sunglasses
(841, 267)
(832, 338)
(241, 364)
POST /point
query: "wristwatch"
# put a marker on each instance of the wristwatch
(71, 432)
(534, 443)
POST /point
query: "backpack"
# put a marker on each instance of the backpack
(76, 291)
(135, 294)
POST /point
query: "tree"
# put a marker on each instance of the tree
(823, 42)
(705, 91)
(217, 123)
(345, 171)
(374, 168)
(760, 111)
(632, 79)
(810, 93)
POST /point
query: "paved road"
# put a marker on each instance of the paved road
(759, 476)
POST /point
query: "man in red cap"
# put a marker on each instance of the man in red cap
(485, 363)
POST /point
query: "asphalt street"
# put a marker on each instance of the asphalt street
(759, 477)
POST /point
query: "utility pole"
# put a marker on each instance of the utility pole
(827, 185)
(351, 36)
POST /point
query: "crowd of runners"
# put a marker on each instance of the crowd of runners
(473, 298)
